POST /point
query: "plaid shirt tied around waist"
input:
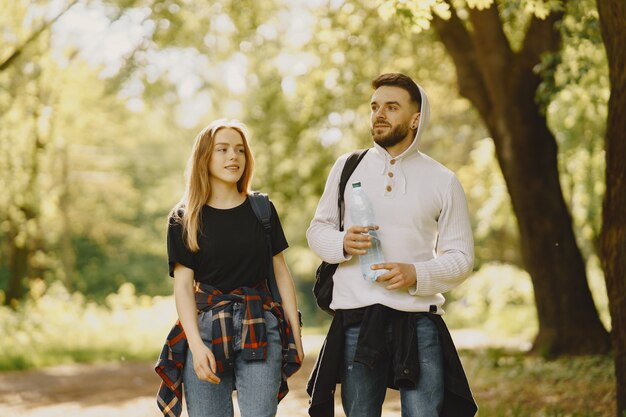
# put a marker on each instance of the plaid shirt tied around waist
(254, 345)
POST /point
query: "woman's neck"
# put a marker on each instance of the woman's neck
(225, 197)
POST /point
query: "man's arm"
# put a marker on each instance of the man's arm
(455, 247)
(455, 252)
(323, 234)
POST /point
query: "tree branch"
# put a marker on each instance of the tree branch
(20, 48)
(492, 45)
(542, 36)
(460, 46)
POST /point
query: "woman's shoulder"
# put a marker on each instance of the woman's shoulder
(175, 216)
(260, 195)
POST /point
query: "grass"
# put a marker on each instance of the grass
(514, 384)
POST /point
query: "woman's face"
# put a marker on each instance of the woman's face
(228, 157)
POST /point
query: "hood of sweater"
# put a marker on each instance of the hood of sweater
(393, 166)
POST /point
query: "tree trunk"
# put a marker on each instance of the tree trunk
(18, 268)
(527, 153)
(68, 259)
(501, 84)
(613, 236)
(20, 250)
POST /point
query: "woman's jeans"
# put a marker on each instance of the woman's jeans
(363, 389)
(257, 382)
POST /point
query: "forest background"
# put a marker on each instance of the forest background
(100, 101)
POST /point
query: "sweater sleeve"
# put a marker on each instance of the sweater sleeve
(323, 234)
(455, 247)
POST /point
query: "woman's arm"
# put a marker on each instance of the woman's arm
(287, 291)
(203, 359)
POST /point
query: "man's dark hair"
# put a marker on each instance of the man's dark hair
(400, 80)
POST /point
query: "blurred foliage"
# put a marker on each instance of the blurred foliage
(577, 115)
(84, 178)
(492, 215)
(498, 300)
(44, 329)
(92, 155)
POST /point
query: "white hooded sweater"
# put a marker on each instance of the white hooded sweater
(422, 212)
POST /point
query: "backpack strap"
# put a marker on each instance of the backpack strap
(261, 206)
(351, 163)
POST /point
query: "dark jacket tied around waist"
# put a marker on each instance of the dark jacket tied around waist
(254, 345)
(404, 373)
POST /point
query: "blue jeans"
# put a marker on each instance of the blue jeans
(257, 382)
(363, 389)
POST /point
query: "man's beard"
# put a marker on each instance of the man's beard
(395, 136)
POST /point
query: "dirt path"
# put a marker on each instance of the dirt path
(116, 389)
(122, 389)
(128, 389)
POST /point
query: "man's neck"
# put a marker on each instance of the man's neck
(402, 146)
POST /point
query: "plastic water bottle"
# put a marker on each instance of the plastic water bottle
(362, 213)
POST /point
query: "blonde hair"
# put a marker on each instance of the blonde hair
(197, 184)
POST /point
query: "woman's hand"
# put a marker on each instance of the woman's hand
(204, 363)
(300, 349)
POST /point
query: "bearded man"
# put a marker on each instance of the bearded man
(389, 332)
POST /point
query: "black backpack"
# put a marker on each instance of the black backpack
(323, 288)
(261, 205)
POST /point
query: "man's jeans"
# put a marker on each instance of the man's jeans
(363, 389)
(257, 382)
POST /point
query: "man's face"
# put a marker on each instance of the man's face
(393, 118)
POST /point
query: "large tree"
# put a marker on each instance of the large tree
(498, 73)
(613, 237)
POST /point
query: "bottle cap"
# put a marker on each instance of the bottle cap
(356, 184)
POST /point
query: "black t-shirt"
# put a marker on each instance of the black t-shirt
(233, 250)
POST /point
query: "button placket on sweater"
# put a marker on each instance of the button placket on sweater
(391, 175)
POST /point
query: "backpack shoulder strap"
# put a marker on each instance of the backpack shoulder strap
(351, 163)
(260, 203)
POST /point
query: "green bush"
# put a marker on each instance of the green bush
(497, 299)
(53, 326)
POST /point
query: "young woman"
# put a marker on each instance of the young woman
(235, 336)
